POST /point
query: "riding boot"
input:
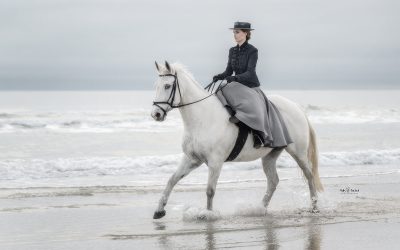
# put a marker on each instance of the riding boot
(233, 119)
(230, 110)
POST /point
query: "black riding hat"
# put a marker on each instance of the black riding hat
(242, 25)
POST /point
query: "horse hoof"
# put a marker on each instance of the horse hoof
(201, 217)
(159, 214)
(315, 210)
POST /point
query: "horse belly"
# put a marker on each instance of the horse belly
(249, 153)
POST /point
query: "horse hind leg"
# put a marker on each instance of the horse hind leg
(269, 166)
(303, 162)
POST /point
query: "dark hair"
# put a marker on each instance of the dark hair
(248, 34)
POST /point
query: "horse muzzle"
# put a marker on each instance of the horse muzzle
(158, 115)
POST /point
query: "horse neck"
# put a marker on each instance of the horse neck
(197, 115)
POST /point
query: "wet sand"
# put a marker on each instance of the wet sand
(120, 217)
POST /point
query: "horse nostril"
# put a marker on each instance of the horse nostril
(158, 115)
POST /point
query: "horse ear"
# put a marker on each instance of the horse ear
(158, 67)
(168, 66)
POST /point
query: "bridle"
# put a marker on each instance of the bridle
(171, 98)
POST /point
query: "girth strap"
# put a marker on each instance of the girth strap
(240, 141)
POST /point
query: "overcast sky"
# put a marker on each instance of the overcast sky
(112, 44)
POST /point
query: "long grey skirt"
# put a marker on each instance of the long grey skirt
(255, 110)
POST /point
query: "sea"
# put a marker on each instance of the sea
(52, 139)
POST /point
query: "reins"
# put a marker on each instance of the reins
(175, 85)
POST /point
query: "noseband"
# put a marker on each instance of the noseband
(171, 98)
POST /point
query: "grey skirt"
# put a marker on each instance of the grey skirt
(254, 109)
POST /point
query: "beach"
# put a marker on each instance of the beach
(87, 171)
(120, 217)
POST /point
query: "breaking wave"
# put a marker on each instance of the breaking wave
(151, 167)
(140, 120)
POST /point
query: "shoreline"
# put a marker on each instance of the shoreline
(121, 217)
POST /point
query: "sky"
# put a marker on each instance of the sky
(112, 44)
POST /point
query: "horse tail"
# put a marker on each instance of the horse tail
(313, 158)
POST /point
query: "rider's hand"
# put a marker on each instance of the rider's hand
(217, 77)
(230, 78)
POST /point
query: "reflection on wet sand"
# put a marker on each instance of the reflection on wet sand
(314, 234)
(267, 234)
(271, 238)
(210, 236)
(312, 239)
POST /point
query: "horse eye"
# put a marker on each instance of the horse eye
(167, 86)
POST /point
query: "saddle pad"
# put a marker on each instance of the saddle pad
(240, 141)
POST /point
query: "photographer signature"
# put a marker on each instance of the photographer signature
(349, 190)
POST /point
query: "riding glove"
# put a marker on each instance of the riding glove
(230, 78)
(217, 77)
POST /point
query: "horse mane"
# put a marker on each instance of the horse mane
(179, 67)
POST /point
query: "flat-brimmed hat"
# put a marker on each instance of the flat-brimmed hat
(242, 26)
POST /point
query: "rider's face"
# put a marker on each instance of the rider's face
(239, 35)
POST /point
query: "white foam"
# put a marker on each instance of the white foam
(150, 168)
(249, 210)
(200, 214)
(139, 119)
(351, 114)
(361, 157)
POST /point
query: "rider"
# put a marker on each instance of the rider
(243, 98)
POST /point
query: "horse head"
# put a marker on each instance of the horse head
(168, 91)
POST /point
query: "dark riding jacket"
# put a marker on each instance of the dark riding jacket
(242, 60)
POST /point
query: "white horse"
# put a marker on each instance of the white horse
(209, 137)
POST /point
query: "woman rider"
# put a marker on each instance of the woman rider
(242, 97)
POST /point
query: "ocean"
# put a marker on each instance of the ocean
(108, 138)
(86, 169)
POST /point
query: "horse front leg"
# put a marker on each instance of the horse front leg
(213, 175)
(186, 165)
